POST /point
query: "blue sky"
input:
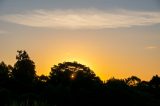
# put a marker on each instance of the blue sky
(20, 5)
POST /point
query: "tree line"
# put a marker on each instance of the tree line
(71, 84)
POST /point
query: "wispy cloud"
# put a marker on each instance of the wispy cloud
(83, 19)
(151, 47)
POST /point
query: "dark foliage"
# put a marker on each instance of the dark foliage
(71, 84)
(24, 68)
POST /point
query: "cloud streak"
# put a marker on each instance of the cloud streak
(151, 47)
(83, 19)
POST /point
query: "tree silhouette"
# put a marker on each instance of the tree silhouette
(114, 83)
(155, 81)
(4, 73)
(24, 68)
(4, 81)
(68, 72)
(71, 84)
(43, 78)
(133, 81)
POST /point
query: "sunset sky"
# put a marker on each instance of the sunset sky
(116, 38)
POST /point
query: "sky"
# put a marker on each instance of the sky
(115, 38)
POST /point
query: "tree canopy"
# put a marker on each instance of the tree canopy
(155, 81)
(4, 72)
(72, 72)
(24, 68)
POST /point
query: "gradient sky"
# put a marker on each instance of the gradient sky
(116, 38)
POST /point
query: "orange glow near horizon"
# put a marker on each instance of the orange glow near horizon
(105, 68)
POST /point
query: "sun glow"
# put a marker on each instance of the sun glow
(78, 57)
(72, 76)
